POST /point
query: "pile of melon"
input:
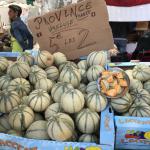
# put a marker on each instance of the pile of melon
(51, 98)
(137, 101)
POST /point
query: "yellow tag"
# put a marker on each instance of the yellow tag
(93, 148)
(147, 135)
(111, 64)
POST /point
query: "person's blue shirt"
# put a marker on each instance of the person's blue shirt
(21, 33)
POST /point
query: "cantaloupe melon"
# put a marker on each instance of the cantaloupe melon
(92, 86)
(26, 57)
(3, 64)
(15, 133)
(21, 86)
(37, 130)
(8, 100)
(52, 73)
(83, 65)
(44, 84)
(97, 58)
(87, 121)
(74, 100)
(52, 110)
(141, 72)
(19, 70)
(24, 100)
(130, 74)
(122, 104)
(88, 138)
(94, 72)
(4, 124)
(44, 59)
(60, 127)
(96, 102)
(5, 81)
(59, 58)
(135, 84)
(21, 117)
(147, 86)
(58, 89)
(39, 100)
(82, 88)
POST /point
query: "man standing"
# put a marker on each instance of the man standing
(21, 39)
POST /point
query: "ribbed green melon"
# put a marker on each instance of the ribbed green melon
(24, 100)
(52, 73)
(39, 100)
(59, 58)
(21, 86)
(5, 81)
(4, 124)
(36, 74)
(147, 86)
(141, 72)
(52, 110)
(37, 130)
(97, 58)
(71, 76)
(44, 59)
(21, 117)
(19, 70)
(82, 88)
(93, 72)
(38, 116)
(140, 95)
(15, 133)
(135, 84)
(26, 57)
(58, 89)
(87, 121)
(130, 74)
(140, 109)
(83, 65)
(8, 100)
(96, 102)
(3, 64)
(91, 87)
(122, 104)
(88, 138)
(74, 100)
(44, 84)
(60, 127)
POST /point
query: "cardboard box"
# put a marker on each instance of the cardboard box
(132, 133)
(106, 139)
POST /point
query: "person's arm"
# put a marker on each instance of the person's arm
(18, 36)
(30, 40)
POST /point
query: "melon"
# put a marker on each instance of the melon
(96, 102)
(135, 84)
(21, 86)
(44, 59)
(88, 138)
(44, 84)
(3, 64)
(39, 100)
(59, 58)
(130, 74)
(83, 65)
(52, 110)
(36, 74)
(122, 104)
(87, 121)
(68, 64)
(52, 73)
(141, 72)
(147, 86)
(97, 58)
(140, 109)
(140, 95)
(5, 81)
(38, 116)
(37, 130)
(94, 72)
(83, 74)
(82, 88)
(92, 86)
(14, 133)
(26, 57)
(58, 89)
(74, 137)
(24, 100)
(71, 76)
(74, 100)
(19, 70)
(60, 127)
(21, 117)
(8, 100)
(4, 124)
